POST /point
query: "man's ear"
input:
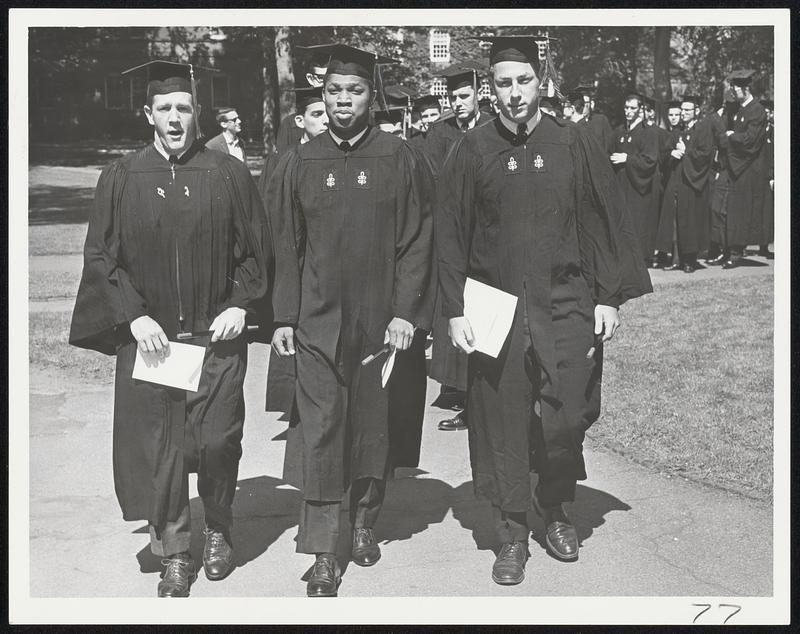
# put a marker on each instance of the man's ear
(298, 121)
(148, 112)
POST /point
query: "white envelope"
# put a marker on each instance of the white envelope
(180, 367)
(490, 312)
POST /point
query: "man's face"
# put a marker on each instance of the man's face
(429, 115)
(673, 116)
(740, 92)
(517, 88)
(631, 110)
(649, 114)
(463, 103)
(314, 119)
(568, 110)
(173, 117)
(232, 123)
(688, 111)
(347, 99)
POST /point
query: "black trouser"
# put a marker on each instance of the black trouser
(320, 522)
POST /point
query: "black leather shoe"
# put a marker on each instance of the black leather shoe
(764, 252)
(453, 424)
(561, 538)
(732, 262)
(716, 261)
(688, 268)
(509, 567)
(673, 267)
(178, 577)
(325, 577)
(366, 551)
(217, 555)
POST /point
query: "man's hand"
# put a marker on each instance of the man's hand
(606, 321)
(283, 341)
(680, 145)
(619, 157)
(149, 335)
(676, 154)
(399, 334)
(461, 334)
(229, 324)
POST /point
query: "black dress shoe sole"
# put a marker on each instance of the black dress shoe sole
(558, 555)
(365, 563)
(192, 579)
(506, 581)
(329, 593)
(219, 577)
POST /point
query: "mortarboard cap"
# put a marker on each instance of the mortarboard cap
(426, 101)
(648, 102)
(695, 99)
(391, 115)
(305, 96)
(767, 103)
(550, 102)
(398, 95)
(164, 77)
(586, 90)
(458, 76)
(347, 60)
(513, 48)
(574, 95)
(741, 77)
(673, 104)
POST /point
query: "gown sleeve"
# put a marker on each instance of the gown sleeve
(455, 204)
(252, 250)
(288, 239)
(699, 156)
(744, 146)
(414, 282)
(611, 259)
(107, 297)
(642, 163)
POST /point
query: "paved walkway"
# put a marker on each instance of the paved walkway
(642, 533)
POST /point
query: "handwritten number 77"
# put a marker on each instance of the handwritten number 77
(707, 606)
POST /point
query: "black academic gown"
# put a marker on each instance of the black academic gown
(448, 364)
(687, 202)
(353, 240)
(599, 125)
(764, 223)
(288, 134)
(545, 222)
(188, 246)
(638, 179)
(744, 167)
(669, 166)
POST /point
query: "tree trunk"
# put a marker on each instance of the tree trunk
(661, 54)
(270, 111)
(284, 72)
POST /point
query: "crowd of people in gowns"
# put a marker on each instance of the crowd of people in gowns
(353, 249)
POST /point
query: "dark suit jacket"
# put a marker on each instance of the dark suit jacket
(219, 143)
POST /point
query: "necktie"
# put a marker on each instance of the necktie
(344, 146)
(522, 133)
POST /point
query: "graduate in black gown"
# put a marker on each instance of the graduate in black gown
(766, 227)
(635, 160)
(177, 242)
(353, 238)
(311, 119)
(531, 207)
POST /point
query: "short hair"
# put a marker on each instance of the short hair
(632, 97)
(536, 68)
(223, 112)
(578, 103)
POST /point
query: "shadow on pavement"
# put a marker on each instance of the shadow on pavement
(588, 512)
(59, 205)
(261, 514)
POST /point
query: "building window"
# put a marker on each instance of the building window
(439, 46)
(439, 88)
(117, 92)
(485, 89)
(220, 91)
(138, 92)
(542, 44)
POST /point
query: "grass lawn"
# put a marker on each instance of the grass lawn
(688, 383)
(49, 350)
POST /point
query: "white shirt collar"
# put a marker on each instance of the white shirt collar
(530, 124)
(351, 141)
(161, 150)
(229, 138)
(635, 123)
